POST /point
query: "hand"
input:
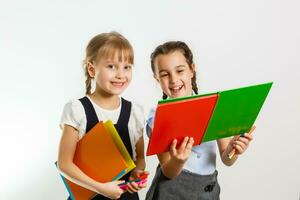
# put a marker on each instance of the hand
(112, 189)
(241, 143)
(132, 186)
(183, 152)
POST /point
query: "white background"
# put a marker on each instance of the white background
(235, 43)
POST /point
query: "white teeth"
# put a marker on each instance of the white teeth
(117, 84)
(176, 89)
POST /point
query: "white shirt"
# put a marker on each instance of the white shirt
(202, 159)
(74, 115)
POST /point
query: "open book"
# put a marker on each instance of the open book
(206, 117)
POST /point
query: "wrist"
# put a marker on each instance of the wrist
(100, 187)
(177, 161)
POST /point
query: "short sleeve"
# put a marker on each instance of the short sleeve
(73, 115)
(150, 121)
(138, 114)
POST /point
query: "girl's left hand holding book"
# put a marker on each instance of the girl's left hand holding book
(133, 186)
(241, 143)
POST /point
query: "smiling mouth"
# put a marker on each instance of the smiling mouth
(176, 89)
(118, 84)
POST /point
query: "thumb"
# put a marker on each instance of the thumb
(120, 182)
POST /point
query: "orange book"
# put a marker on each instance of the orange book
(98, 156)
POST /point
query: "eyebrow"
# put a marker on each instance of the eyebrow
(116, 62)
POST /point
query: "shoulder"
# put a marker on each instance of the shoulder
(137, 109)
(137, 114)
(73, 114)
(73, 106)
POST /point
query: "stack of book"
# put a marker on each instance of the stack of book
(101, 155)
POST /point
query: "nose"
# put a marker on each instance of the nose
(173, 78)
(120, 73)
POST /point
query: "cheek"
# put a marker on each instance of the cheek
(129, 76)
(164, 83)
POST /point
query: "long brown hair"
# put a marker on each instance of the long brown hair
(106, 45)
(170, 47)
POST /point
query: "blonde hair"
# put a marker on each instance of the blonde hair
(106, 45)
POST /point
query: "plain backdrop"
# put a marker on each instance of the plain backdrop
(235, 44)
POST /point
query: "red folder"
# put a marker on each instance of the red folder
(191, 117)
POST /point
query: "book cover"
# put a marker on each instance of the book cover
(236, 111)
(177, 119)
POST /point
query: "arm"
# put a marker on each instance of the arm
(140, 156)
(240, 144)
(173, 161)
(140, 167)
(67, 149)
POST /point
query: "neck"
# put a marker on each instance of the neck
(105, 100)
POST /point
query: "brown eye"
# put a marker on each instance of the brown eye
(111, 66)
(128, 67)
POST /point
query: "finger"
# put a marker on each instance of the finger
(133, 187)
(241, 144)
(248, 136)
(143, 185)
(173, 147)
(238, 149)
(234, 139)
(130, 189)
(244, 140)
(183, 144)
(241, 147)
(190, 144)
(120, 182)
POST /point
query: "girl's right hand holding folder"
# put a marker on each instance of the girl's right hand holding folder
(183, 152)
(111, 189)
(172, 162)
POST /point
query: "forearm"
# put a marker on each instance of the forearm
(74, 174)
(140, 164)
(172, 168)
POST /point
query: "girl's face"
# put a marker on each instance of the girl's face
(112, 75)
(174, 74)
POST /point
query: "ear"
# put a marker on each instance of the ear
(193, 68)
(91, 70)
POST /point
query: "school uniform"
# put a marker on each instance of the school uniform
(198, 179)
(128, 119)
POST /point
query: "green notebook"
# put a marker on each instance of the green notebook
(236, 111)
